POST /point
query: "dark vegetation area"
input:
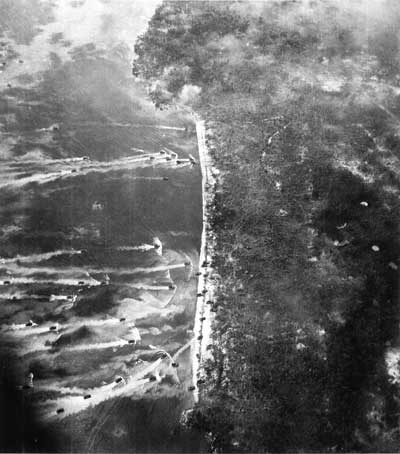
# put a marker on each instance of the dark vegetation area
(302, 99)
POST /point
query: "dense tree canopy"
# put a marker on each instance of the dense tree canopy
(304, 106)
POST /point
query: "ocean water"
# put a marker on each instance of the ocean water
(99, 235)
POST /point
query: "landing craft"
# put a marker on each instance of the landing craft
(29, 380)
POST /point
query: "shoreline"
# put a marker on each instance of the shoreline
(204, 315)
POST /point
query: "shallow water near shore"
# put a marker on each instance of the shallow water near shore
(100, 231)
